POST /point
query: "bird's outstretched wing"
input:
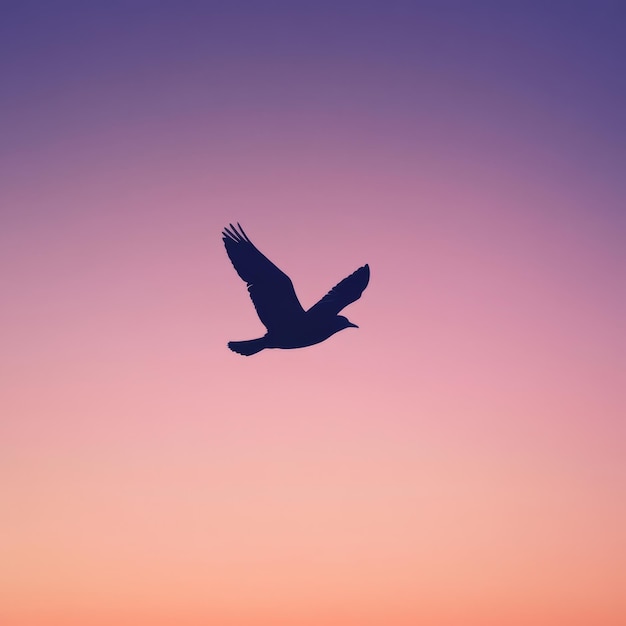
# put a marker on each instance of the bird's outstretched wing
(270, 288)
(342, 294)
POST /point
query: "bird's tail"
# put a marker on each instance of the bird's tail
(249, 347)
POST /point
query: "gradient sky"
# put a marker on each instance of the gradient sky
(458, 460)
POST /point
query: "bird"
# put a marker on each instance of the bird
(273, 295)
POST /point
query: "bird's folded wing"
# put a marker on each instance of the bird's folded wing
(270, 288)
(341, 295)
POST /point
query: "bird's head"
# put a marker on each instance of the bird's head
(342, 322)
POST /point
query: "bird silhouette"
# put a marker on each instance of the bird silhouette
(288, 324)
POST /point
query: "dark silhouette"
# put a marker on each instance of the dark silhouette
(288, 324)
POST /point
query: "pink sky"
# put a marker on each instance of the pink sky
(458, 459)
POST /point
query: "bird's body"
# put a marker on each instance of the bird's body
(288, 324)
(306, 332)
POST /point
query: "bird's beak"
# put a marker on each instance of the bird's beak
(351, 325)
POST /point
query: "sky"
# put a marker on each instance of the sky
(458, 459)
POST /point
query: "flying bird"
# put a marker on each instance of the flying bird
(274, 298)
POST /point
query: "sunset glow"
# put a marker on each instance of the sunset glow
(456, 461)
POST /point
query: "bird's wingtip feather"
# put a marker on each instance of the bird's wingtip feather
(243, 232)
(235, 233)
